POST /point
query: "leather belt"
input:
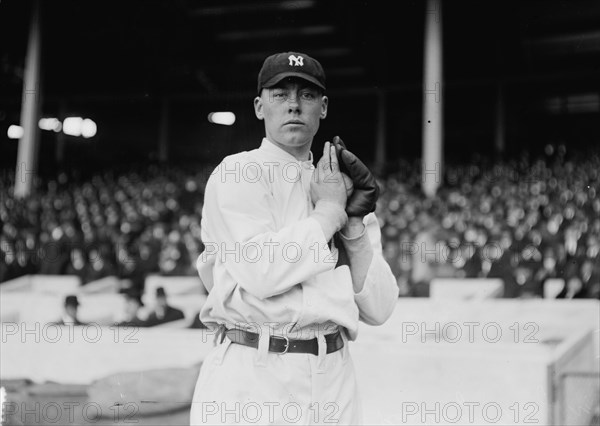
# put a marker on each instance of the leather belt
(282, 345)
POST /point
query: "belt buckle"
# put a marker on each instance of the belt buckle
(287, 344)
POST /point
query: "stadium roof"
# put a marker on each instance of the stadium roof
(186, 47)
(124, 63)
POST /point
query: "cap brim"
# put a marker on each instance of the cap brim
(277, 78)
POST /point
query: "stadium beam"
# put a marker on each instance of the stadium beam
(59, 152)
(30, 109)
(500, 136)
(381, 133)
(163, 130)
(433, 123)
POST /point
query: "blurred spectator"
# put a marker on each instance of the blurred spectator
(77, 265)
(573, 289)
(133, 304)
(163, 312)
(70, 309)
(529, 288)
(547, 270)
(426, 254)
(473, 266)
(590, 278)
(98, 266)
(502, 267)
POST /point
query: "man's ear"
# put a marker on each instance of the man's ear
(258, 108)
(324, 103)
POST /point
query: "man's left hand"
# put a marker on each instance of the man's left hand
(366, 191)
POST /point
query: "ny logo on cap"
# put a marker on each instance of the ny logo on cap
(297, 61)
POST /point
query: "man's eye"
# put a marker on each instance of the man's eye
(309, 96)
(279, 95)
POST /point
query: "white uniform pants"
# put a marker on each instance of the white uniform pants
(244, 385)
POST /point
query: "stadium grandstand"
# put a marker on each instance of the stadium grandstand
(479, 122)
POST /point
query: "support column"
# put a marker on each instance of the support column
(433, 124)
(499, 131)
(163, 131)
(381, 133)
(60, 136)
(30, 107)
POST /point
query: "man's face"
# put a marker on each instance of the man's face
(71, 310)
(292, 111)
(161, 302)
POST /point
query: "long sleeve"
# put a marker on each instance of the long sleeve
(379, 294)
(242, 228)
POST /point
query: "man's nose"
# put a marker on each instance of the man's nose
(293, 103)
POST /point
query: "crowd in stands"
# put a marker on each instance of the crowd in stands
(126, 225)
(524, 221)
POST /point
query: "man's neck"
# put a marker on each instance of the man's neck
(300, 153)
(68, 319)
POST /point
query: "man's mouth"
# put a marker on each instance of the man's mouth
(297, 122)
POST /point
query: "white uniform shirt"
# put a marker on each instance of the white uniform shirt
(267, 263)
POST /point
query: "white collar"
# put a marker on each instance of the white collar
(270, 148)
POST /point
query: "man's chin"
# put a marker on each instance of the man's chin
(297, 139)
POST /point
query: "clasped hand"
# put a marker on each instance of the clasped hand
(327, 183)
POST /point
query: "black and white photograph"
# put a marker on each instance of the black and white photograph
(297, 212)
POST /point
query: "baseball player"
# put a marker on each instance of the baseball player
(292, 262)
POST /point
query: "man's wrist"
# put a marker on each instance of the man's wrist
(353, 228)
(331, 216)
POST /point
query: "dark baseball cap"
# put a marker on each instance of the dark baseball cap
(71, 300)
(290, 64)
